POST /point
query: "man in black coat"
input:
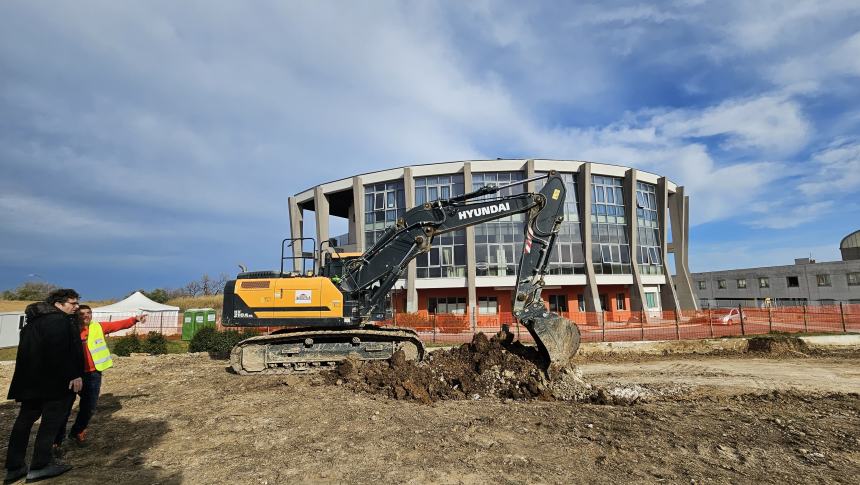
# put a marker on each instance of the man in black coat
(48, 371)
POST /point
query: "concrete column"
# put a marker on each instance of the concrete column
(668, 295)
(471, 273)
(530, 172)
(678, 213)
(296, 224)
(350, 217)
(637, 290)
(321, 213)
(412, 268)
(583, 182)
(358, 207)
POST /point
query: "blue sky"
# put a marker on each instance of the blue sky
(143, 144)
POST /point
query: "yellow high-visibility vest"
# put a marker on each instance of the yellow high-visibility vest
(98, 347)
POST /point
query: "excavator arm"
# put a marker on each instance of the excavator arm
(369, 279)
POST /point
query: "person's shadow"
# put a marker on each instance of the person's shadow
(116, 449)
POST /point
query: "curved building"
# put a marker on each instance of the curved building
(850, 246)
(611, 253)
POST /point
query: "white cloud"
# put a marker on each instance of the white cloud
(35, 215)
(791, 213)
(753, 253)
(771, 123)
(834, 170)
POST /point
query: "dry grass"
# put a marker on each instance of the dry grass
(209, 301)
(20, 305)
(13, 305)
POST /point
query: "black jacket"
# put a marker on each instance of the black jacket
(49, 355)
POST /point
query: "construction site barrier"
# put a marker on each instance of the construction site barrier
(646, 324)
(612, 326)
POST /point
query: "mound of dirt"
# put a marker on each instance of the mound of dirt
(778, 345)
(483, 368)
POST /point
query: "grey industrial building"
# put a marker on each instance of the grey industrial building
(621, 225)
(806, 282)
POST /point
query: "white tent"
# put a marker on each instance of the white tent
(161, 318)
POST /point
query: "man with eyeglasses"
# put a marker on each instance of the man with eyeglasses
(48, 371)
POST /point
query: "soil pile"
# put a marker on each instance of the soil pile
(778, 345)
(494, 368)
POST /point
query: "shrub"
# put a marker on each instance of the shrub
(127, 344)
(201, 339)
(223, 342)
(217, 344)
(154, 344)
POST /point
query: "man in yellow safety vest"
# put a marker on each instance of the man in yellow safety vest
(96, 359)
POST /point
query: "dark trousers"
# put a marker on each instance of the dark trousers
(92, 386)
(53, 414)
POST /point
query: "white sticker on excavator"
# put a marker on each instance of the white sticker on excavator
(303, 296)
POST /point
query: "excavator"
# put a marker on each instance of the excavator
(334, 310)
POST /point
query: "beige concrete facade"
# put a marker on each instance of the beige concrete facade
(672, 206)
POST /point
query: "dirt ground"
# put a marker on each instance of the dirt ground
(774, 418)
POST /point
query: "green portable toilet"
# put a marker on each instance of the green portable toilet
(196, 318)
(210, 317)
(188, 325)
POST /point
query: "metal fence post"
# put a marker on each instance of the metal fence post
(642, 326)
(710, 321)
(805, 324)
(600, 315)
(434, 328)
(842, 315)
(769, 320)
(741, 315)
(677, 327)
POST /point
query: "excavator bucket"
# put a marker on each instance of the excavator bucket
(556, 337)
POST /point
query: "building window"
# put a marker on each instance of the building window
(651, 300)
(558, 303)
(581, 301)
(447, 304)
(384, 203)
(853, 279)
(567, 256)
(499, 243)
(721, 284)
(447, 257)
(792, 281)
(650, 257)
(619, 301)
(488, 305)
(823, 279)
(742, 284)
(764, 283)
(703, 285)
(610, 248)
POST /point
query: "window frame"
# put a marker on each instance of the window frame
(764, 282)
(484, 305)
(620, 301)
(823, 280)
(855, 275)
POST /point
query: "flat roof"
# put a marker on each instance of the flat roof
(344, 185)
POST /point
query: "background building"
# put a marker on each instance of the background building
(611, 253)
(806, 282)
